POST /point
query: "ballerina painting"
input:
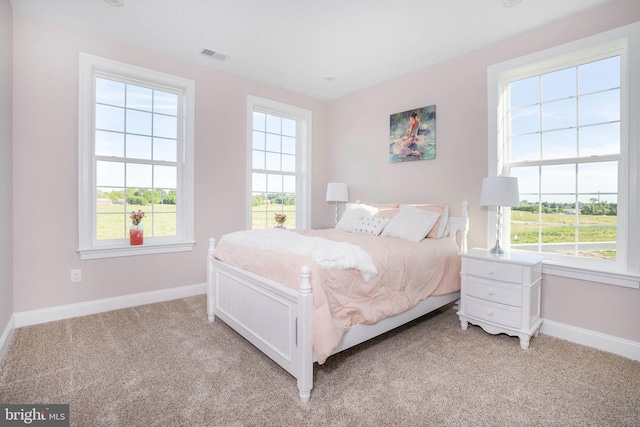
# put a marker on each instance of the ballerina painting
(412, 135)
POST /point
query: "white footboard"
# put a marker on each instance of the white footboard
(274, 318)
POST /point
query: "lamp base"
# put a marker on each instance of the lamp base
(497, 249)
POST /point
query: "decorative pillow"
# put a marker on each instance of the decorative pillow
(440, 229)
(370, 225)
(411, 223)
(352, 214)
(387, 212)
(387, 205)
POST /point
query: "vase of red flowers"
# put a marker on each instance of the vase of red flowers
(136, 228)
(280, 219)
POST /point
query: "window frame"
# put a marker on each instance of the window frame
(623, 41)
(303, 119)
(90, 247)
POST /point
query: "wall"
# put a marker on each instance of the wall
(45, 171)
(358, 142)
(6, 241)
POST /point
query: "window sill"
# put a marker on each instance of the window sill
(124, 251)
(555, 268)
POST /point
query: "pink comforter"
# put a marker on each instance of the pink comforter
(408, 273)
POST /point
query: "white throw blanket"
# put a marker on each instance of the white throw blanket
(327, 253)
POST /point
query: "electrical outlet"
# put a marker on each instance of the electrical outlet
(76, 276)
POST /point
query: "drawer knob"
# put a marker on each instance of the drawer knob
(491, 271)
(490, 292)
(490, 312)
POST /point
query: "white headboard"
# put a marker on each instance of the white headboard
(459, 227)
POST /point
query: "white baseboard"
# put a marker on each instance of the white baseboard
(49, 314)
(5, 338)
(619, 346)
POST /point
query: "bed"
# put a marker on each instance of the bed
(265, 293)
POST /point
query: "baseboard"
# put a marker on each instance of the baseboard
(5, 339)
(619, 346)
(49, 314)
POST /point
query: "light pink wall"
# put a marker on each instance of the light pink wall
(358, 141)
(45, 167)
(6, 115)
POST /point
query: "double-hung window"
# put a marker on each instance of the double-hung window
(566, 125)
(135, 154)
(279, 145)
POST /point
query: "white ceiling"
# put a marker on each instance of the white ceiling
(294, 44)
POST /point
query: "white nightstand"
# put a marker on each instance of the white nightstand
(501, 293)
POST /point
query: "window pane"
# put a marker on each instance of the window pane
(524, 92)
(258, 140)
(165, 126)
(598, 179)
(599, 75)
(259, 121)
(138, 122)
(288, 145)
(259, 182)
(289, 127)
(559, 114)
(525, 120)
(139, 98)
(110, 92)
(258, 160)
(165, 103)
(600, 107)
(273, 161)
(165, 176)
(558, 179)
(274, 124)
(165, 149)
(139, 147)
(109, 174)
(109, 144)
(139, 175)
(164, 224)
(560, 144)
(559, 84)
(110, 118)
(111, 226)
(525, 147)
(528, 181)
(600, 140)
(273, 142)
(289, 184)
(274, 183)
(288, 163)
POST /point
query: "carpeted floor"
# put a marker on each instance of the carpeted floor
(164, 364)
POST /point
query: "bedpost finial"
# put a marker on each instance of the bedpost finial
(305, 283)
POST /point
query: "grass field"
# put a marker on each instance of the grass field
(561, 228)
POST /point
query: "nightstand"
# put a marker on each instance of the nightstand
(501, 293)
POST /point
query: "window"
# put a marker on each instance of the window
(279, 146)
(136, 153)
(564, 121)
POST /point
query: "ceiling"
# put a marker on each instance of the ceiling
(321, 48)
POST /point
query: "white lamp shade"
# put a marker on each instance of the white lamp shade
(337, 192)
(500, 191)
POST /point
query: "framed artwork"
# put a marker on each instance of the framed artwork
(412, 135)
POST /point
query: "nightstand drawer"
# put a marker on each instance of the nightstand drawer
(493, 291)
(494, 270)
(492, 312)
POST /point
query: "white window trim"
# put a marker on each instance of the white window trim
(303, 155)
(89, 247)
(627, 273)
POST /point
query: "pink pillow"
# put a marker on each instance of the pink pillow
(439, 228)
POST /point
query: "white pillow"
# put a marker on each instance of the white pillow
(352, 214)
(411, 223)
(370, 225)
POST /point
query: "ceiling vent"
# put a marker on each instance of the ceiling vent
(215, 55)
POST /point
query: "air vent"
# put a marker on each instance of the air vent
(215, 55)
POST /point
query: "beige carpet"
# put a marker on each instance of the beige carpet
(164, 364)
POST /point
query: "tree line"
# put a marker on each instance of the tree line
(138, 196)
(594, 207)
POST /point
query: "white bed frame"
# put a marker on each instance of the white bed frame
(278, 320)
